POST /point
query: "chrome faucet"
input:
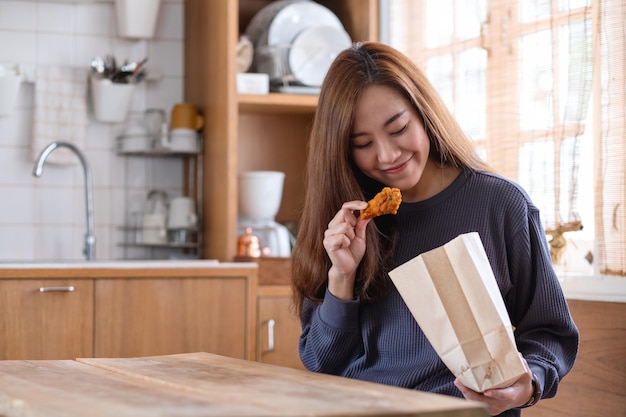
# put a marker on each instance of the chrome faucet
(90, 239)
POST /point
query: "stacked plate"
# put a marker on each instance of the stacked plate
(295, 42)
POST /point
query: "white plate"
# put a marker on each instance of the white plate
(257, 29)
(314, 50)
(294, 17)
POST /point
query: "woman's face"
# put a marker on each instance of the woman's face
(388, 140)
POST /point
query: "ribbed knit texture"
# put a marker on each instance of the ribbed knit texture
(381, 341)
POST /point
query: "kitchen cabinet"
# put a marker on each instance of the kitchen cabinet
(46, 318)
(128, 309)
(595, 385)
(278, 327)
(248, 132)
(143, 317)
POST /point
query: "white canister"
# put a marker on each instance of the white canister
(111, 101)
(137, 19)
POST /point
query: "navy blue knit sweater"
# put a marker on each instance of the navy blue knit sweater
(381, 342)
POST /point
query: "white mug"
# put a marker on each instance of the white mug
(182, 214)
(182, 140)
(153, 230)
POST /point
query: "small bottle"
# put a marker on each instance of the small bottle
(248, 245)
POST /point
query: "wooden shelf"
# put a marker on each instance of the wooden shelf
(277, 103)
(245, 131)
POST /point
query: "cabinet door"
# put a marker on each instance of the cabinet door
(46, 319)
(278, 329)
(146, 317)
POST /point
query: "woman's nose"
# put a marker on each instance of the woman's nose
(387, 152)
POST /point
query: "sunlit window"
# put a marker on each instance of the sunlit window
(518, 78)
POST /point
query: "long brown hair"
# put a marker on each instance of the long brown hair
(332, 178)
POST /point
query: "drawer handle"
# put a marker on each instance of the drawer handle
(57, 289)
(270, 335)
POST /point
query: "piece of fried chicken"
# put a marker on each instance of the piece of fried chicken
(386, 201)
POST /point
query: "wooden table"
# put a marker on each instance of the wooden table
(203, 384)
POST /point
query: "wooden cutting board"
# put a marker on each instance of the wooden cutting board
(202, 384)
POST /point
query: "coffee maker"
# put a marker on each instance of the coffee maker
(260, 195)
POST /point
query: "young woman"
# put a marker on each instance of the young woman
(379, 122)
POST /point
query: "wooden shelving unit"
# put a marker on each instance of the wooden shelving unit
(245, 132)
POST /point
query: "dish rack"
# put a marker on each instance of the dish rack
(273, 60)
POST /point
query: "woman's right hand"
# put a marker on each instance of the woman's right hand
(344, 241)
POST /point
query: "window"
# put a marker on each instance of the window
(539, 86)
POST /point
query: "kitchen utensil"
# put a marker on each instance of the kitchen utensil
(248, 245)
(97, 66)
(260, 194)
(128, 72)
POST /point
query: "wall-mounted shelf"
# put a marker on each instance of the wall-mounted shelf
(142, 145)
(185, 242)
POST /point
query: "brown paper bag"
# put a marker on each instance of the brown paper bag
(453, 295)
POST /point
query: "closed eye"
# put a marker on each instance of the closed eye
(362, 145)
(399, 132)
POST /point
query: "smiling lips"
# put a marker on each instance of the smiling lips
(397, 168)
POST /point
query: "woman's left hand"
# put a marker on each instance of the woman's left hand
(498, 400)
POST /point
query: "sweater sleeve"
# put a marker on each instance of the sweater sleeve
(544, 330)
(330, 338)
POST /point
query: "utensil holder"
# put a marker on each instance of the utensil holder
(9, 89)
(110, 100)
(137, 18)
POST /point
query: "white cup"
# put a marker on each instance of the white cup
(182, 140)
(182, 213)
(153, 230)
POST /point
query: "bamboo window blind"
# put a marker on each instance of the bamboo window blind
(539, 86)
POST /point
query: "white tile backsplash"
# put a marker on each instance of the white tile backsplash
(18, 15)
(18, 46)
(44, 218)
(56, 17)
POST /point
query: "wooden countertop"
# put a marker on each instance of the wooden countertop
(126, 269)
(203, 384)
